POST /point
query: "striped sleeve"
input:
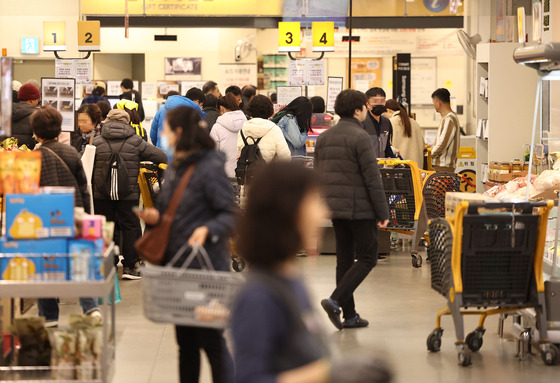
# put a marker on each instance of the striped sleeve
(444, 138)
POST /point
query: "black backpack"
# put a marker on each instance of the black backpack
(249, 161)
(115, 175)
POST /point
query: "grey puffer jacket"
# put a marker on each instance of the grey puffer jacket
(21, 126)
(345, 159)
(116, 133)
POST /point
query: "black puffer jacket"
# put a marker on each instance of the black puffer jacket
(208, 201)
(116, 133)
(54, 173)
(21, 126)
(345, 158)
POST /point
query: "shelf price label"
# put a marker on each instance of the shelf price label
(289, 36)
(54, 35)
(323, 36)
(89, 36)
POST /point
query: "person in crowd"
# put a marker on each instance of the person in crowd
(28, 96)
(295, 122)
(378, 126)
(247, 94)
(89, 124)
(34, 82)
(15, 88)
(408, 137)
(211, 110)
(274, 98)
(205, 217)
(61, 166)
(197, 96)
(446, 147)
(320, 118)
(131, 108)
(171, 103)
(276, 334)
(97, 94)
(272, 143)
(171, 93)
(345, 158)
(105, 107)
(236, 91)
(127, 87)
(118, 136)
(211, 87)
(226, 130)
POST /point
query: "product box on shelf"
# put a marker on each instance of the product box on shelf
(40, 259)
(31, 216)
(86, 259)
(92, 226)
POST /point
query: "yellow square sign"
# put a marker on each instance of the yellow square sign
(323, 36)
(54, 35)
(89, 35)
(289, 36)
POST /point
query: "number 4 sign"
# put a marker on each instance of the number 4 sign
(323, 36)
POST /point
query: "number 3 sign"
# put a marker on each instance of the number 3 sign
(289, 36)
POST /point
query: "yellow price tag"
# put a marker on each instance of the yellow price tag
(89, 35)
(323, 36)
(289, 36)
(54, 35)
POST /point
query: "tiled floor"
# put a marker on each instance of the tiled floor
(397, 300)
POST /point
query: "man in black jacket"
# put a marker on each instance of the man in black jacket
(378, 126)
(353, 189)
(28, 96)
(127, 85)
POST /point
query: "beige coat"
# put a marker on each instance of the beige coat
(273, 145)
(410, 148)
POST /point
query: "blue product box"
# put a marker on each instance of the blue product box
(86, 259)
(31, 257)
(32, 216)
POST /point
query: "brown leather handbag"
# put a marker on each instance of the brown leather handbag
(153, 245)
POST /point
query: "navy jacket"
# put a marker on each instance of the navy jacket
(208, 201)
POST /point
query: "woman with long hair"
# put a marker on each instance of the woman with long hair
(408, 137)
(227, 128)
(205, 217)
(276, 334)
(295, 122)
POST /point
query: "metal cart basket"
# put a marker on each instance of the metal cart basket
(436, 185)
(489, 256)
(150, 181)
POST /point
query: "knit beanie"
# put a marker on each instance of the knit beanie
(28, 92)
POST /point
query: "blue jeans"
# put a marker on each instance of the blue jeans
(48, 308)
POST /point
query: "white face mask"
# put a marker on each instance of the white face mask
(169, 150)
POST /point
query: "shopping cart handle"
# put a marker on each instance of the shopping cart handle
(525, 206)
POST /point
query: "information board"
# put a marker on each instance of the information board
(423, 79)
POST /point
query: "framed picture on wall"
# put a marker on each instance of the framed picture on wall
(183, 66)
(60, 94)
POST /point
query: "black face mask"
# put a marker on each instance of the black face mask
(378, 110)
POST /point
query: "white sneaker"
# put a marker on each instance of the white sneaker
(97, 315)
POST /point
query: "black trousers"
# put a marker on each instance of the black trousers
(356, 255)
(129, 225)
(191, 340)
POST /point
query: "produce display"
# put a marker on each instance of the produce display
(517, 189)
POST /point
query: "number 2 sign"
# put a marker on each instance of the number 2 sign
(289, 36)
(88, 36)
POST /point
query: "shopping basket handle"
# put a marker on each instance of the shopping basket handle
(203, 259)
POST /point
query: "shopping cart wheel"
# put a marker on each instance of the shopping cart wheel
(474, 339)
(434, 340)
(550, 355)
(463, 355)
(424, 243)
(238, 264)
(416, 260)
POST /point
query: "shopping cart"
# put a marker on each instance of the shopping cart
(150, 180)
(489, 256)
(402, 183)
(306, 161)
(435, 186)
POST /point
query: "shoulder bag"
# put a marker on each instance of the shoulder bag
(153, 245)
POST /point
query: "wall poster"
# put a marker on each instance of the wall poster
(60, 94)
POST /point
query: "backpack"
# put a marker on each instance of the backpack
(115, 175)
(249, 161)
